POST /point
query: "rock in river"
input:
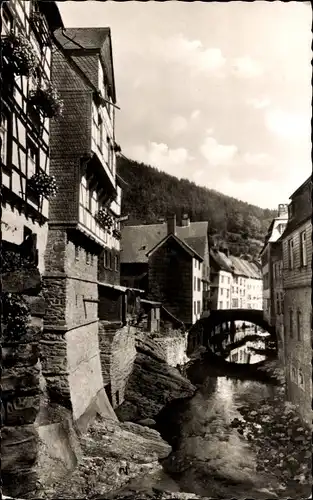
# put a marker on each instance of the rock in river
(152, 384)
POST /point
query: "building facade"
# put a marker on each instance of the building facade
(275, 231)
(277, 317)
(175, 278)
(83, 238)
(221, 280)
(27, 41)
(137, 241)
(297, 281)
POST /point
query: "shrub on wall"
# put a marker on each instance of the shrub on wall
(13, 261)
(15, 315)
(20, 53)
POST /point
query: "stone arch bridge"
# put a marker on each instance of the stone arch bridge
(203, 331)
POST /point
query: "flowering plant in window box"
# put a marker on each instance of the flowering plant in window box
(104, 219)
(20, 53)
(48, 100)
(43, 184)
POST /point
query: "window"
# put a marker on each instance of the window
(228, 280)
(235, 303)
(291, 323)
(303, 254)
(87, 258)
(227, 293)
(293, 374)
(4, 138)
(7, 21)
(91, 259)
(233, 289)
(199, 285)
(198, 307)
(240, 283)
(220, 305)
(100, 132)
(290, 210)
(32, 158)
(301, 379)
(106, 258)
(116, 262)
(195, 283)
(110, 260)
(290, 254)
(299, 324)
(195, 307)
(222, 291)
(236, 280)
(222, 279)
(76, 253)
(195, 264)
(199, 264)
(277, 304)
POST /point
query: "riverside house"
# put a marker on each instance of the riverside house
(84, 238)
(297, 281)
(26, 184)
(274, 232)
(137, 241)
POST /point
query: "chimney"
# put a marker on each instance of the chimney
(171, 224)
(282, 209)
(185, 220)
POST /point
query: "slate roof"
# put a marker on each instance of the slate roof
(182, 243)
(137, 241)
(89, 38)
(222, 261)
(244, 268)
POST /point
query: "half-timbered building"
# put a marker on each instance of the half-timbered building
(26, 40)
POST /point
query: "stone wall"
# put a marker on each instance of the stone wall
(117, 352)
(174, 347)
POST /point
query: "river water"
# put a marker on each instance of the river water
(210, 458)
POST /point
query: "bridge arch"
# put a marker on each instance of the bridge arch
(203, 330)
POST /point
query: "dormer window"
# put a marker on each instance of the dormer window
(290, 210)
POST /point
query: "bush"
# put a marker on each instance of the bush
(15, 315)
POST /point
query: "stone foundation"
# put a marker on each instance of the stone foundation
(117, 353)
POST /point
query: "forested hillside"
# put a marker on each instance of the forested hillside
(152, 194)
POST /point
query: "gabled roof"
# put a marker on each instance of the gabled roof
(221, 260)
(245, 268)
(184, 245)
(137, 241)
(88, 38)
(98, 39)
(198, 244)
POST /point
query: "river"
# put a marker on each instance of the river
(210, 458)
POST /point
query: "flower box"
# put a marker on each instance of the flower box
(43, 184)
(104, 219)
(20, 53)
(48, 100)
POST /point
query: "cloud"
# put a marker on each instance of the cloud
(172, 161)
(191, 53)
(258, 103)
(289, 125)
(246, 67)
(195, 114)
(218, 154)
(178, 124)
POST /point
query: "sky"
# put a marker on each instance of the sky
(218, 93)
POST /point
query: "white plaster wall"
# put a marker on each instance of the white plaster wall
(12, 230)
